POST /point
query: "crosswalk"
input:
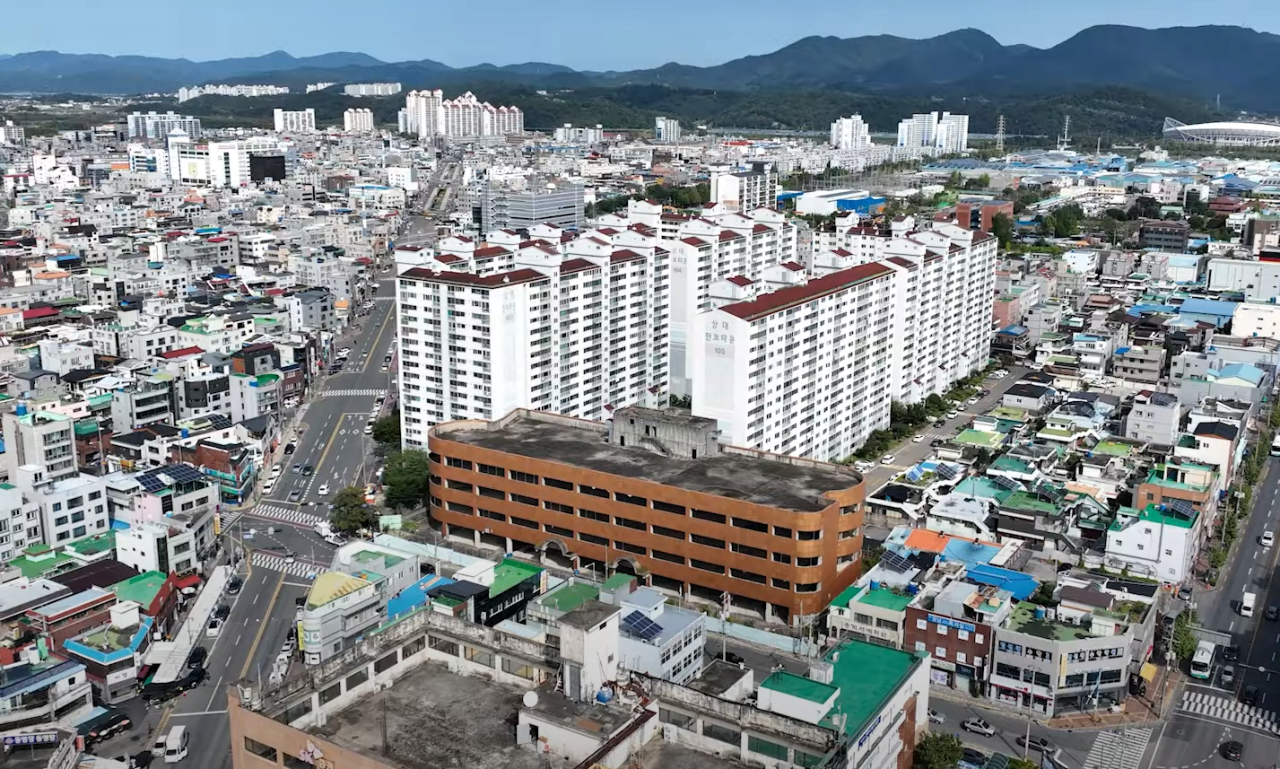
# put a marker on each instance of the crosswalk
(288, 514)
(369, 392)
(279, 563)
(1228, 709)
(1118, 749)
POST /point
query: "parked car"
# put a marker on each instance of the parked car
(197, 657)
(978, 726)
(308, 469)
(1184, 593)
(974, 757)
(1227, 677)
(731, 658)
(222, 611)
(213, 629)
(936, 718)
(936, 442)
(952, 414)
(887, 459)
(1250, 695)
(1272, 613)
(103, 726)
(1267, 539)
(233, 587)
(290, 447)
(1036, 743)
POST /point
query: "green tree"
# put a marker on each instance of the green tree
(387, 430)
(1145, 207)
(1218, 557)
(1021, 763)
(938, 751)
(1002, 228)
(1184, 643)
(406, 477)
(350, 514)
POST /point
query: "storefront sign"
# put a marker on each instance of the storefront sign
(943, 665)
(870, 730)
(36, 738)
(951, 623)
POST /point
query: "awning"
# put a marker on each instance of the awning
(1148, 672)
(189, 580)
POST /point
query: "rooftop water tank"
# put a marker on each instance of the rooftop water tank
(1040, 612)
(875, 585)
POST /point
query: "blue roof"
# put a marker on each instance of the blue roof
(969, 552)
(1019, 584)
(1142, 309)
(415, 595)
(1209, 307)
(788, 195)
(66, 257)
(1013, 330)
(1246, 371)
(1123, 350)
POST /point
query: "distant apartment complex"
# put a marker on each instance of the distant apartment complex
(297, 121)
(945, 132)
(850, 133)
(371, 89)
(152, 125)
(357, 121)
(428, 113)
(196, 91)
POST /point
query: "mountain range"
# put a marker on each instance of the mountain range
(1199, 63)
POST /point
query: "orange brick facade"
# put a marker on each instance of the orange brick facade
(788, 564)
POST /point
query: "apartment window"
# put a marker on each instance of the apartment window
(556, 483)
(754, 552)
(667, 532)
(1008, 671)
(522, 499)
(765, 748)
(721, 733)
(458, 485)
(885, 624)
(627, 547)
(808, 536)
(485, 491)
(386, 663)
(667, 507)
(669, 557)
(749, 576)
(862, 619)
(261, 749)
(706, 515)
(557, 507)
(516, 475)
(461, 464)
(714, 568)
(780, 584)
(492, 515)
(746, 523)
(357, 678)
(558, 531)
(631, 499)
(592, 515)
(492, 470)
(698, 539)
(629, 523)
(781, 557)
(525, 522)
(813, 561)
(593, 539)
(808, 587)
(593, 491)
(681, 720)
(782, 531)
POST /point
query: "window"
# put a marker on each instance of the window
(491, 470)
(557, 507)
(670, 557)
(522, 499)
(977, 638)
(698, 539)
(593, 515)
(413, 647)
(631, 499)
(263, 750)
(525, 522)
(963, 635)
(385, 664)
(357, 678)
(516, 475)
(1005, 646)
(807, 760)
(593, 539)
(706, 566)
(330, 694)
(629, 523)
(885, 624)
(754, 552)
(455, 507)
(675, 717)
(962, 658)
(922, 625)
(556, 483)
(593, 491)
(940, 652)
(627, 547)
(808, 536)
(941, 629)
(668, 532)
(748, 576)
(492, 515)
(746, 523)
(462, 464)
(814, 561)
(766, 748)
(721, 733)
(704, 515)
(781, 584)
(861, 619)
(782, 557)
(782, 531)
(667, 507)
(518, 668)
(557, 531)
(458, 485)
(1008, 671)
(808, 587)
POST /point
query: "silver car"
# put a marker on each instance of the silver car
(978, 726)
(1227, 677)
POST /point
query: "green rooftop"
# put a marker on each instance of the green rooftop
(42, 562)
(1156, 478)
(510, 573)
(980, 438)
(1113, 449)
(886, 599)
(1011, 413)
(1023, 620)
(1154, 514)
(616, 581)
(791, 684)
(867, 676)
(571, 596)
(376, 556)
(95, 545)
(982, 487)
(143, 588)
(1008, 464)
(1021, 500)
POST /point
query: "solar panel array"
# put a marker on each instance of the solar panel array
(895, 561)
(946, 472)
(1181, 508)
(1006, 483)
(641, 626)
(162, 478)
(1050, 492)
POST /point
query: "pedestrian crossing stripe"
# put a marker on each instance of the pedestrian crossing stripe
(278, 563)
(351, 393)
(1118, 749)
(1227, 709)
(276, 512)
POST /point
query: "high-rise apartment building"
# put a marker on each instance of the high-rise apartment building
(295, 120)
(371, 89)
(573, 326)
(666, 130)
(850, 133)
(943, 132)
(539, 201)
(428, 113)
(583, 135)
(811, 369)
(151, 125)
(357, 121)
(746, 190)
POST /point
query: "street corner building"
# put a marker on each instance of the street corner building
(655, 494)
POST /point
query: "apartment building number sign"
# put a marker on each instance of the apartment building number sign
(719, 341)
(509, 309)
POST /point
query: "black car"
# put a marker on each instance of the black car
(197, 657)
(308, 469)
(1037, 743)
(1250, 695)
(936, 442)
(975, 757)
(730, 657)
(940, 423)
(290, 447)
(1272, 612)
(222, 611)
(233, 587)
(1232, 751)
(1231, 654)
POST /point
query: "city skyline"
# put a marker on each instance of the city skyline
(393, 31)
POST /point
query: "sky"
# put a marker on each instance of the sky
(576, 33)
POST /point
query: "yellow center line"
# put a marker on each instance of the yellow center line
(332, 436)
(262, 628)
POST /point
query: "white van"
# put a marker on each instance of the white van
(1246, 605)
(176, 744)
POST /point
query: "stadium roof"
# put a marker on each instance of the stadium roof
(1230, 133)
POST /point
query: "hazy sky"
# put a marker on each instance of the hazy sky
(576, 33)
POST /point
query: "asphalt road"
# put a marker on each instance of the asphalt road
(1210, 713)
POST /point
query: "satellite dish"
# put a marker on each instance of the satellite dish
(530, 699)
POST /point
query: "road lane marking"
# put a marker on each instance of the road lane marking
(214, 695)
(238, 637)
(255, 598)
(200, 713)
(262, 627)
(1231, 628)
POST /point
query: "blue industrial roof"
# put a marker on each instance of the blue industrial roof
(970, 552)
(789, 194)
(1246, 371)
(1142, 309)
(415, 595)
(1196, 306)
(1019, 584)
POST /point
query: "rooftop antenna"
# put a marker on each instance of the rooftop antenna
(1000, 135)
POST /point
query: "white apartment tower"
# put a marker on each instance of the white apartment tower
(850, 133)
(810, 368)
(666, 130)
(943, 132)
(295, 120)
(357, 121)
(576, 328)
(746, 190)
(428, 113)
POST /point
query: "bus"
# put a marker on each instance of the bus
(1202, 663)
(1275, 446)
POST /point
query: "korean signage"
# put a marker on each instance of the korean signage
(37, 738)
(951, 623)
(870, 731)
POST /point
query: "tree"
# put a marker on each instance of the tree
(350, 514)
(387, 430)
(406, 477)
(1002, 228)
(938, 751)
(1184, 643)
(1145, 207)
(1021, 763)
